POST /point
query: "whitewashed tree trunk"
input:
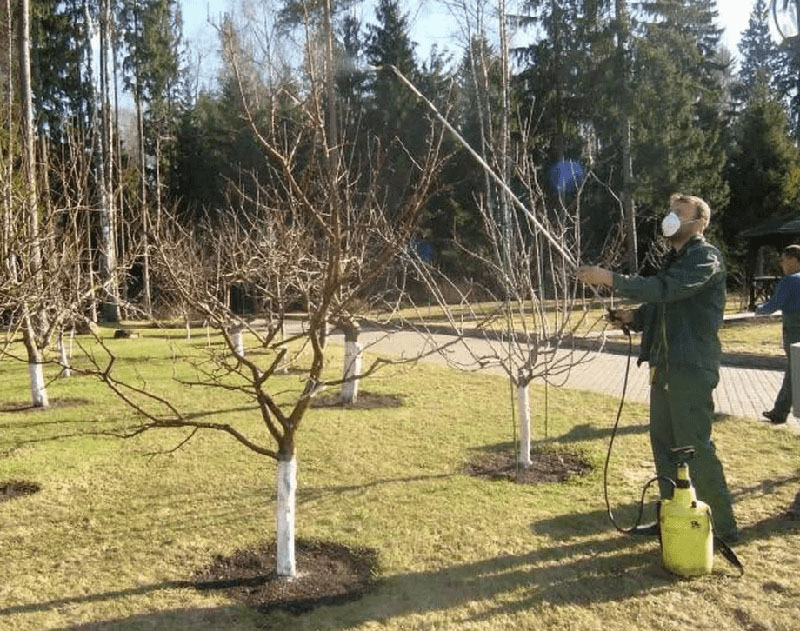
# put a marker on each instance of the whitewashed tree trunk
(283, 367)
(285, 517)
(188, 326)
(38, 390)
(524, 409)
(326, 332)
(237, 337)
(63, 356)
(353, 359)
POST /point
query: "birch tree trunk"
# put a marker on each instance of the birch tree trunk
(28, 147)
(34, 252)
(285, 511)
(87, 265)
(9, 258)
(108, 251)
(504, 139)
(145, 214)
(628, 207)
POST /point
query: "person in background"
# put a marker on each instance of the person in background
(787, 299)
(680, 319)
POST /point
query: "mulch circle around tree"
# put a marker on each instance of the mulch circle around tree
(25, 406)
(17, 488)
(365, 401)
(546, 466)
(327, 573)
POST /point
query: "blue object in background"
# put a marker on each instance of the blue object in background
(423, 250)
(566, 175)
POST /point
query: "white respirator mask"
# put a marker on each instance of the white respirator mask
(670, 224)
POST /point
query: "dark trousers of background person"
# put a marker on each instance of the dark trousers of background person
(681, 410)
(791, 335)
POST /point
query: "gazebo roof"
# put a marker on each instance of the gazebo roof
(777, 226)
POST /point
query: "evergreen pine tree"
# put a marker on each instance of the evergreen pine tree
(764, 167)
(389, 42)
(60, 92)
(679, 119)
(760, 56)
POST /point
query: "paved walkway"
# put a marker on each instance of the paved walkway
(741, 392)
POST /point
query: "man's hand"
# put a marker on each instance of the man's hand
(593, 275)
(620, 318)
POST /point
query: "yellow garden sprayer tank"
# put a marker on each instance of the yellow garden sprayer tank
(687, 538)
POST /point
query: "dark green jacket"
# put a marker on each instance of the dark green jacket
(684, 304)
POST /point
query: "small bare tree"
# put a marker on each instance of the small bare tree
(314, 231)
(42, 304)
(534, 248)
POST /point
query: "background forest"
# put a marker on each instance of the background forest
(615, 105)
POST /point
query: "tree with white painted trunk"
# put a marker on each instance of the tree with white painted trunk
(534, 307)
(313, 230)
(42, 285)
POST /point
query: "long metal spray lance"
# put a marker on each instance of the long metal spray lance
(500, 182)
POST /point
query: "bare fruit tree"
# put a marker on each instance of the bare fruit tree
(44, 241)
(41, 305)
(531, 316)
(312, 232)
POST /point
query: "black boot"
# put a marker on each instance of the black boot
(774, 417)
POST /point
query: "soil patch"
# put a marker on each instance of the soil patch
(25, 406)
(546, 466)
(17, 488)
(365, 401)
(327, 573)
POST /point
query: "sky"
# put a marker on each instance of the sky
(431, 24)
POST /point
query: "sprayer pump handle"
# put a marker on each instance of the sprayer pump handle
(682, 455)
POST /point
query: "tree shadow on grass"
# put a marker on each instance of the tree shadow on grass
(765, 487)
(592, 523)
(196, 619)
(55, 403)
(575, 573)
(596, 570)
(586, 432)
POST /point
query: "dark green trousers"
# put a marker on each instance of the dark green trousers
(681, 409)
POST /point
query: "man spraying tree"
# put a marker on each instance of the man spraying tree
(680, 319)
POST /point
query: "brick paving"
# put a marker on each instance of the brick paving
(743, 392)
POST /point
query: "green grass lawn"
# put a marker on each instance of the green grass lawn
(761, 338)
(113, 529)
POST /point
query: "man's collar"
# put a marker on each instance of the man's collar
(695, 238)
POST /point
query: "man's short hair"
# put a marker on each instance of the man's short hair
(699, 204)
(793, 251)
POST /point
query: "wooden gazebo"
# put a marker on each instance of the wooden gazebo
(777, 233)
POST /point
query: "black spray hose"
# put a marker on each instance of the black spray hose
(638, 528)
